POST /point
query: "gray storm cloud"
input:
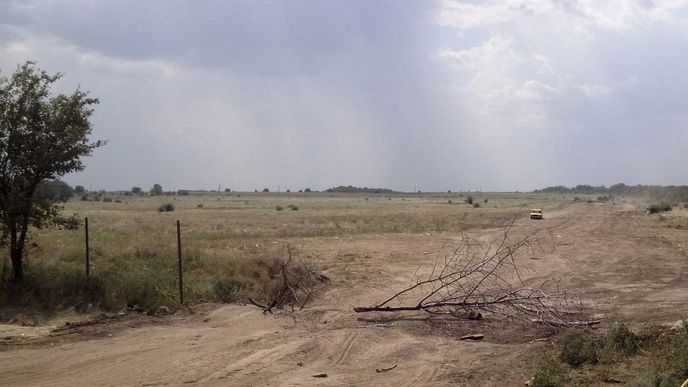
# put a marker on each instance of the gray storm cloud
(504, 95)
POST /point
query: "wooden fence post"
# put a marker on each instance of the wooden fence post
(179, 260)
(88, 263)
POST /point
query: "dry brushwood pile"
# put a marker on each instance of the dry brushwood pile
(296, 286)
(472, 281)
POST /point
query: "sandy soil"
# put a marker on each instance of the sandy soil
(626, 265)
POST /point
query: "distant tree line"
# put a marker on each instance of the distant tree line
(673, 193)
(352, 189)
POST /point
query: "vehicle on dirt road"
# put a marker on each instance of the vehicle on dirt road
(536, 213)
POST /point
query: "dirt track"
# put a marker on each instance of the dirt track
(625, 264)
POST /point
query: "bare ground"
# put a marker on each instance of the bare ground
(626, 265)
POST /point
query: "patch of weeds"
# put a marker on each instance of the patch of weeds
(621, 341)
(579, 347)
(659, 208)
(670, 363)
(167, 207)
(279, 208)
(227, 289)
(548, 371)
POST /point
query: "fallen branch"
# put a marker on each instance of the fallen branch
(471, 280)
(475, 336)
(385, 369)
(558, 323)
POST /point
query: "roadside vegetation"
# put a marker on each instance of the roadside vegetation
(234, 244)
(656, 356)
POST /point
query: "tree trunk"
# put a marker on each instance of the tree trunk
(16, 254)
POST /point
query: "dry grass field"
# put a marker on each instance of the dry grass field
(626, 266)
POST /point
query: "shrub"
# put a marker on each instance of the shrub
(476, 205)
(485, 200)
(579, 348)
(227, 289)
(107, 199)
(279, 208)
(548, 372)
(622, 341)
(167, 207)
(469, 200)
(659, 207)
(449, 202)
(294, 207)
(199, 205)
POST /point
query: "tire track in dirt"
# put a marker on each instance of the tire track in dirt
(344, 348)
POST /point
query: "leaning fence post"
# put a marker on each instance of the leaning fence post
(179, 260)
(88, 264)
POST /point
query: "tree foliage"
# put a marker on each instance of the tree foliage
(156, 190)
(42, 137)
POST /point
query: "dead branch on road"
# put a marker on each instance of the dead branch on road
(296, 287)
(469, 281)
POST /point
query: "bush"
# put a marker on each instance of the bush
(659, 207)
(107, 199)
(548, 372)
(167, 207)
(279, 208)
(622, 341)
(227, 289)
(294, 207)
(469, 200)
(476, 205)
(579, 348)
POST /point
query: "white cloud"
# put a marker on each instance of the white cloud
(618, 15)
(499, 75)
(533, 90)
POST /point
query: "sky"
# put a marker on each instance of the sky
(409, 95)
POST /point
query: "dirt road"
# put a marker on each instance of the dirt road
(626, 265)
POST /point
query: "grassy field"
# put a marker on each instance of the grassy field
(233, 243)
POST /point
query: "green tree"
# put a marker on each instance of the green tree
(79, 189)
(136, 190)
(55, 190)
(156, 190)
(42, 137)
